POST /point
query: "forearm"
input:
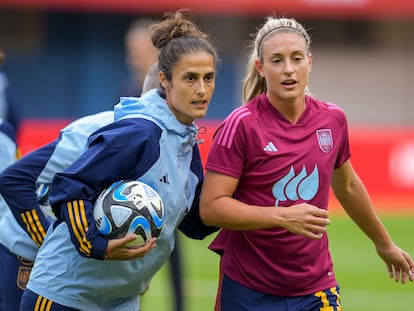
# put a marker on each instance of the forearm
(21, 199)
(83, 231)
(357, 204)
(229, 213)
(219, 208)
(18, 187)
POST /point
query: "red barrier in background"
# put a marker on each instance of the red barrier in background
(34, 133)
(383, 158)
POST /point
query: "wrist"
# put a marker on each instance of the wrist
(106, 254)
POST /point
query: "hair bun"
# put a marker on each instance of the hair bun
(171, 26)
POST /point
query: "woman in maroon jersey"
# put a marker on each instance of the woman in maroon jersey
(269, 171)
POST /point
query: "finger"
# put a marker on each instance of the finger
(320, 212)
(397, 274)
(313, 235)
(129, 238)
(390, 271)
(319, 221)
(116, 243)
(411, 272)
(143, 250)
(409, 267)
(318, 229)
(404, 277)
(314, 231)
(150, 244)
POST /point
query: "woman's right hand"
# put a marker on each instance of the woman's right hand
(118, 249)
(305, 219)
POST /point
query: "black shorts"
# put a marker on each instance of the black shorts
(234, 296)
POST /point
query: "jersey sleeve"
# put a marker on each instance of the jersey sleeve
(18, 188)
(122, 150)
(227, 151)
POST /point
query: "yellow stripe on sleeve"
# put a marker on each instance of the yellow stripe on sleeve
(49, 305)
(29, 230)
(38, 302)
(77, 228)
(38, 225)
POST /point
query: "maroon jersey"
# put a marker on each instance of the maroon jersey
(279, 164)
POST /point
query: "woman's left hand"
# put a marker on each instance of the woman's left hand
(399, 263)
(118, 249)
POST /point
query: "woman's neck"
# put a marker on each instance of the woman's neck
(291, 109)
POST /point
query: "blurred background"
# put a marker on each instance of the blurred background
(66, 59)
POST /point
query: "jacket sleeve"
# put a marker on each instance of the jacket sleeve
(192, 225)
(18, 188)
(121, 150)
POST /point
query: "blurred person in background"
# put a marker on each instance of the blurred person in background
(271, 193)
(9, 153)
(8, 104)
(140, 54)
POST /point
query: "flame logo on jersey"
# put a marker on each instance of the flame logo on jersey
(293, 187)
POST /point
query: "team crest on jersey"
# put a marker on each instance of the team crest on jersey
(325, 140)
(23, 276)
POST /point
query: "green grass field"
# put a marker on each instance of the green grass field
(365, 285)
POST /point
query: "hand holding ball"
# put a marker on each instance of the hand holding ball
(130, 207)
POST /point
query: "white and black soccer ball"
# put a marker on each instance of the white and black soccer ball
(130, 207)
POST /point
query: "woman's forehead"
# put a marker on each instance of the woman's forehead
(285, 39)
(195, 62)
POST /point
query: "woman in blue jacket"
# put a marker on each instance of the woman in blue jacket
(154, 140)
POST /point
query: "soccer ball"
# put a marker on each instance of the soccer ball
(129, 207)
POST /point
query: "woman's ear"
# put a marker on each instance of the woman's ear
(163, 80)
(259, 68)
(310, 61)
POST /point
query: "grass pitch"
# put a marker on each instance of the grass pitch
(362, 275)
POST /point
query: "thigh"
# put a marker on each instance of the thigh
(15, 272)
(34, 302)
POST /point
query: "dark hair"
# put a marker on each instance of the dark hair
(174, 35)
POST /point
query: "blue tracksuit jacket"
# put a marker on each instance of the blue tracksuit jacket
(146, 142)
(24, 225)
